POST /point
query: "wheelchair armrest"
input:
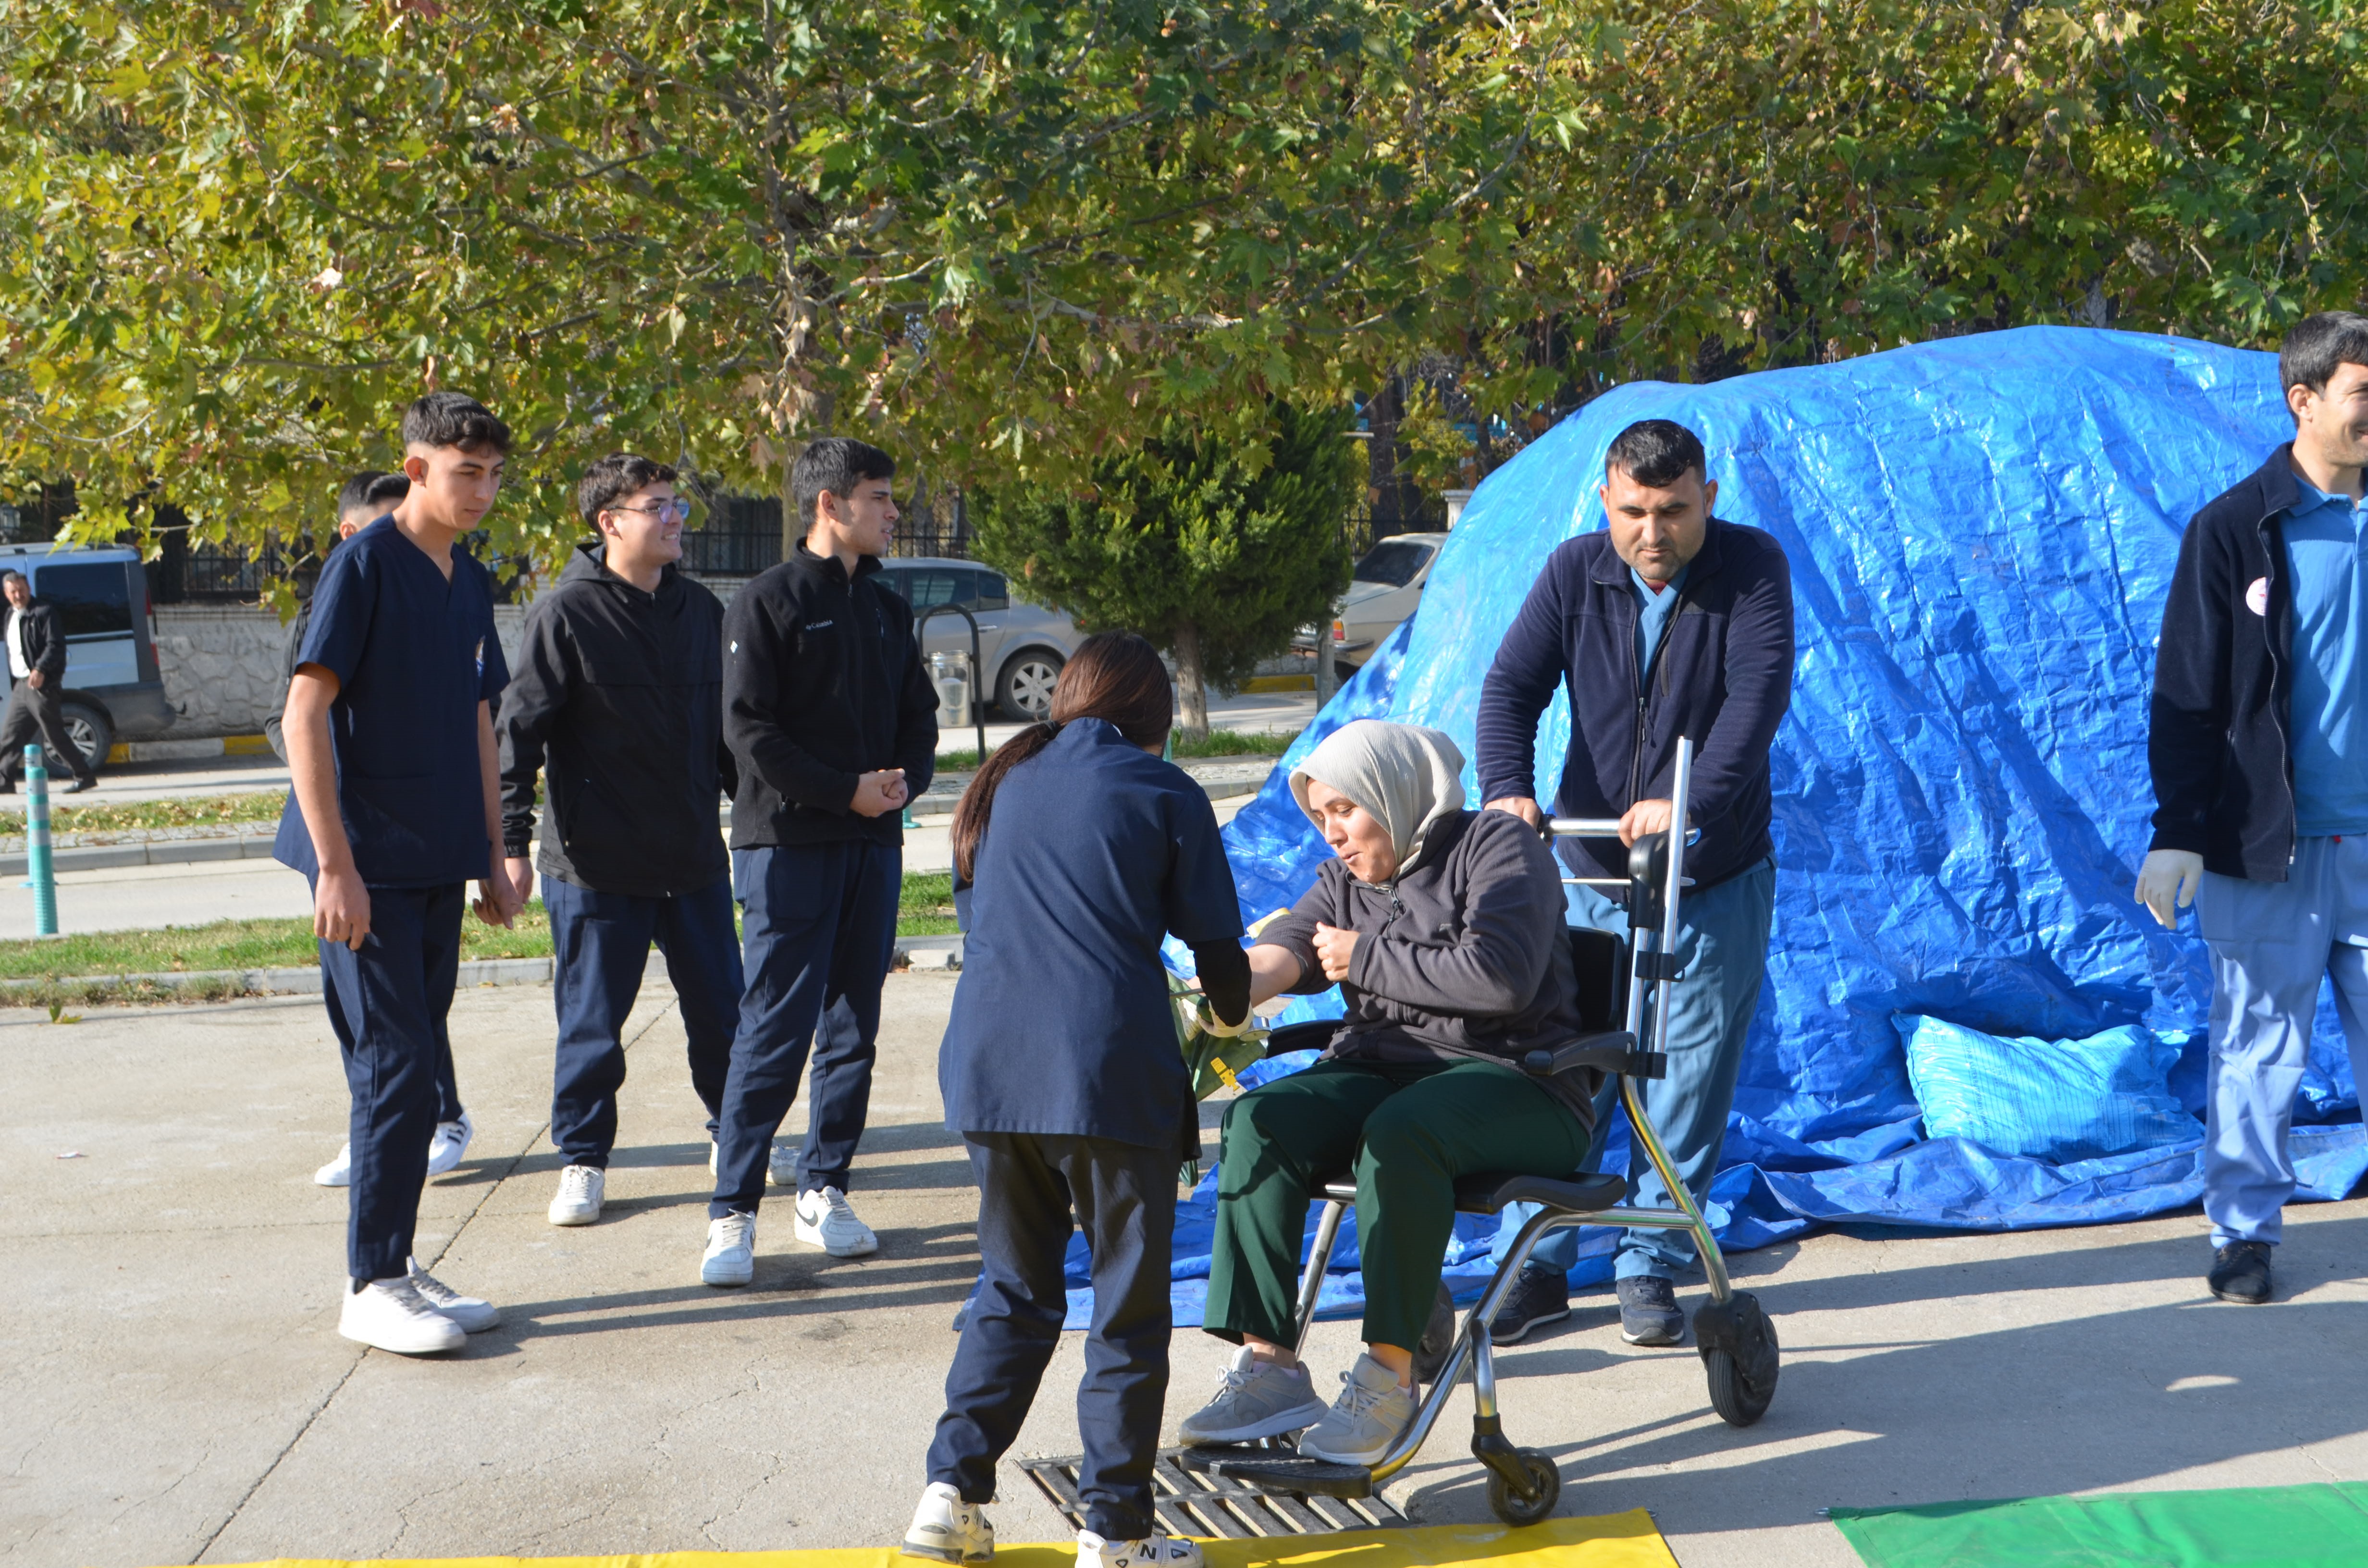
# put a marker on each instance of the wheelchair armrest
(1614, 1050)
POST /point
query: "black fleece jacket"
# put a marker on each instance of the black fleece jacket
(2223, 683)
(617, 696)
(822, 682)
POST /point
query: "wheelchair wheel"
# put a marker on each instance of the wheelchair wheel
(1545, 1479)
(1741, 1390)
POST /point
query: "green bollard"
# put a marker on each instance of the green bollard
(37, 843)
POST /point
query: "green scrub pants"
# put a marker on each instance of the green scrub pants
(1407, 1130)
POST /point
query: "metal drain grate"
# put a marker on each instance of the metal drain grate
(1191, 1503)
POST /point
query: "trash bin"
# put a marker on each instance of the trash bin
(949, 672)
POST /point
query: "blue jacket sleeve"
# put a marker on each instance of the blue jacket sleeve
(1529, 665)
(2189, 719)
(1759, 676)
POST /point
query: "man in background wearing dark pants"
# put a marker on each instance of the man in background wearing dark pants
(617, 697)
(36, 666)
(1670, 622)
(363, 500)
(833, 724)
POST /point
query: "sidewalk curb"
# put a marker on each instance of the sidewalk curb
(188, 751)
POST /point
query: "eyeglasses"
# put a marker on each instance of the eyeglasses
(664, 511)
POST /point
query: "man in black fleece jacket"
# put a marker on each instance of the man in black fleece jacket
(616, 699)
(1671, 621)
(833, 724)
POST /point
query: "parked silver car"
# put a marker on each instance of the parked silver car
(1384, 590)
(1021, 646)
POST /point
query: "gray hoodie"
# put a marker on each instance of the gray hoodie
(1464, 957)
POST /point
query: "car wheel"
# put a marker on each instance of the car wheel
(1024, 691)
(87, 728)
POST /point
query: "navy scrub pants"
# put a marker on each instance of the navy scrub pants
(820, 931)
(1723, 955)
(1124, 1199)
(385, 1005)
(602, 941)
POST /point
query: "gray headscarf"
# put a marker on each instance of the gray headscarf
(1406, 776)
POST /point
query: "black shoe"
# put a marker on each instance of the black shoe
(1438, 1337)
(7, 786)
(79, 785)
(1648, 1311)
(1539, 1296)
(2240, 1272)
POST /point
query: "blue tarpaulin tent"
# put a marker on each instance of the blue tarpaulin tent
(1982, 531)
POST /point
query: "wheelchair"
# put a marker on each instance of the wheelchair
(1735, 1336)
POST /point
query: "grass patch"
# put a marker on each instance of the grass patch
(925, 910)
(1216, 743)
(151, 817)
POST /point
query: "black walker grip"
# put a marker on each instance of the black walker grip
(1614, 1050)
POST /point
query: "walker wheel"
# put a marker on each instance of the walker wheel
(1740, 1355)
(1545, 1482)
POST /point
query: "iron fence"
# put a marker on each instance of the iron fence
(741, 534)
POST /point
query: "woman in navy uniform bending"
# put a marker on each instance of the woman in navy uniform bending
(1080, 848)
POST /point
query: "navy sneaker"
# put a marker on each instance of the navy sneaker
(1648, 1311)
(2240, 1272)
(1540, 1296)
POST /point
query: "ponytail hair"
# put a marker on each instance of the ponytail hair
(1115, 677)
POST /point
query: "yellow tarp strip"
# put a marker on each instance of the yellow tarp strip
(1615, 1540)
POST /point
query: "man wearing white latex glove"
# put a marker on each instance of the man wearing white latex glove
(2260, 754)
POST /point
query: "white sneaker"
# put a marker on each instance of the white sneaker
(1373, 1412)
(450, 1145)
(731, 1251)
(338, 1172)
(390, 1314)
(1151, 1551)
(948, 1529)
(827, 1219)
(581, 1189)
(781, 1166)
(473, 1313)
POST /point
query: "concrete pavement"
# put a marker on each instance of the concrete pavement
(177, 1392)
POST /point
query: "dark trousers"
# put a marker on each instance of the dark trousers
(1124, 1198)
(36, 710)
(820, 924)
(1406, 1130)
(385, 1003)
(602, 941)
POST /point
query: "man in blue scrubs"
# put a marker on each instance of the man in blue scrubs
(1671, 621)
(2260, 754)
(394, 808)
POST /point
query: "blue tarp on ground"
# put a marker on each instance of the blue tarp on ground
(1982, 531)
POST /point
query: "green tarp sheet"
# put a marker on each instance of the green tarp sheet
(2270, 1527)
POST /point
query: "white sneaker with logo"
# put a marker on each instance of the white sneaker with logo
(473, 1313)
(731, 1251)
(390, 1314)
(581, 1189)
(1151, 1551)
(338, 1172)
(947, 1529)
(828, 1220)
(450, 1145)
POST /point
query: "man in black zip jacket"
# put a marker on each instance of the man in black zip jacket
(2259, 748)
(1671, 622)
(617, 700)
(833, 722)
(36, 666)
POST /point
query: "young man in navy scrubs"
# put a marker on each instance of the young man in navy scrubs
(394, 808)
(621, 684)
(833, 724)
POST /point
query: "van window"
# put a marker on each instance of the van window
(92, 600)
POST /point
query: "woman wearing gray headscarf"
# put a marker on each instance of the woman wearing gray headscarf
(1443, 928)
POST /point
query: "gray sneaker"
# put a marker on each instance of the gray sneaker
(1372, 1412)
(1255, 1399)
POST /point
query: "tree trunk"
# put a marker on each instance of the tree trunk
(1192, 692)
(791, 531)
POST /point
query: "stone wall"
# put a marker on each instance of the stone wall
(222, 664)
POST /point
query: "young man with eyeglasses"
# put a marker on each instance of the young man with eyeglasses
(833, 721)
(618, 700)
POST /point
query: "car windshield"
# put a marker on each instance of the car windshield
(1393, 563)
